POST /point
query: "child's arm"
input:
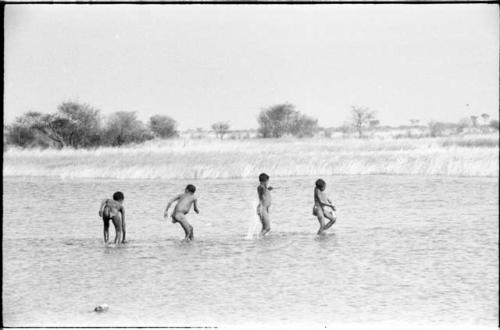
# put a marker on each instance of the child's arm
(101, 208)
(165, 214)
(320, 197)
(122, 210)
(331, 204)
(195, 206)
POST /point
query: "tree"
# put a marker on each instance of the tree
(414, 122)
(282, 119)
(360, 118)
(163, 126)
(494, 124)
(486, 118)
(78, 124)
(374, 123)
(346, 129)
(123, 127)
(36, 129)
(74, 124)
(302, 126)
(474, 120)
(463, 124)
(276, 120)
(21, 132)
(220, 128)
(436, 128)
(18, 134)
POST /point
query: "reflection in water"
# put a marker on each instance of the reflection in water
(414, 249)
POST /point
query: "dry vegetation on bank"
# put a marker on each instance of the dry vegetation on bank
(470, 155)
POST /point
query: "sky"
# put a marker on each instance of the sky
(205, 63)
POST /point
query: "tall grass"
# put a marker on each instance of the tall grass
(211, 159)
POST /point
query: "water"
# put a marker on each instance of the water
(404, 248)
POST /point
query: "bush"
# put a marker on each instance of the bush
(78, 124)
(282, 119)
(463, 124)
(303, 126)
(163, 126)
(494, 124)
(275, 120)
(436, 128)
(19, 135)
(472, 143)
(123, 128)
(75, 125)
(34, 129)
(327, 132)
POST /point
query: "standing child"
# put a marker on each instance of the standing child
(182, 207)
(320, 201)
(264, 193)
(113, 209)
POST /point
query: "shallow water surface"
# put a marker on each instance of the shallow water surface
(411, 249)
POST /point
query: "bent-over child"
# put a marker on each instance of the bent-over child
(264, 193)
(182, 207)
(113, 209)
(320, 202)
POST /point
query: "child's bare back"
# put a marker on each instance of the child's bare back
(113, 210)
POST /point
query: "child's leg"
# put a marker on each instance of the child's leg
(105, 218)
(191, 237)
(264, 218)
(123, 230)
(331, 217)
(180, 218)
(321, 219)
(106, 229)
(117, 222)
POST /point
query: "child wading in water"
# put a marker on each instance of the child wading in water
(182, 207)
(264, 193)
(320, 201)
(113, 209)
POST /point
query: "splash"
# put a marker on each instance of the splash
(253, 223)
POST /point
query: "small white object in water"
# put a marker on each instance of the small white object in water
(253, 226)
(101, 308)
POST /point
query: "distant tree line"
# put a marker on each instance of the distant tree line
(80, 125)
(470, 124)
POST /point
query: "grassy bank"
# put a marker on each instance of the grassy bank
(211, 159)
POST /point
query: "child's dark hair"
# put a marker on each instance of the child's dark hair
(191, 188)
(263, 177)
(118, 196)
(320, 183)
